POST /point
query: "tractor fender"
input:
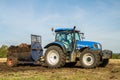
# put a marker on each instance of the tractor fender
(82, 49)
(96, 51)
(59, 44)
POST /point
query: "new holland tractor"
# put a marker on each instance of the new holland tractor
(67, 49)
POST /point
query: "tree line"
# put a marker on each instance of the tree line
(3, 51)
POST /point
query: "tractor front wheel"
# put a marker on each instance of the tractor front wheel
(89, 59)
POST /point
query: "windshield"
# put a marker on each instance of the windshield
(67, 38)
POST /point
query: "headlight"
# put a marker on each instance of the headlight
(98, 46)
(95, 46)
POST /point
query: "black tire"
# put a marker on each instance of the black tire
(72, 64)
(104, 63)
(12, 61)
(57, 55)
(89, 59)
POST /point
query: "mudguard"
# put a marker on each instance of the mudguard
(61, 45)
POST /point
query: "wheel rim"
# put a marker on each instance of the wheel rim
(10, 62)
(53, 57)
(88, 59)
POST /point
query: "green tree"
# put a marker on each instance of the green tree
(116, 56)
(3, 51)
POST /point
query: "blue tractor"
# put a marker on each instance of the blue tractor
(68, 48)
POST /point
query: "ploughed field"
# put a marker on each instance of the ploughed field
(32, 72)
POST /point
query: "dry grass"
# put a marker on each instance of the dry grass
(3, 59)
(110, 72)
(114, 60)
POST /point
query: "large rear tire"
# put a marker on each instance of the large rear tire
(54, 57)
(104, 63)
(12, 61)
(89, 59)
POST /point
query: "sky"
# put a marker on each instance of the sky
(98, 19)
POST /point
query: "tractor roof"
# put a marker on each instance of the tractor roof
(65, 29)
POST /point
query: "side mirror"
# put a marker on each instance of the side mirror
(82, 36)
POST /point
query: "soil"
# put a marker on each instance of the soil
(4, 67)
(110, 72)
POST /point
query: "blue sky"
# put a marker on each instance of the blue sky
(98, 19)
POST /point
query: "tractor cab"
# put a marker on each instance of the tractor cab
(67, 37)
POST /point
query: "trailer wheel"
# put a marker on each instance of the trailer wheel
(104, 63)
(89, 59)
(54, 57)
(12, 61)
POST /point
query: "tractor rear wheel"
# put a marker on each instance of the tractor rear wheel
(54, 57)
(89, 59)
(12, 61)
(104, 63)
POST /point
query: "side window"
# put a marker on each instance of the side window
(60, 37)
(57, 37)
(69, 38)
(63, 37)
